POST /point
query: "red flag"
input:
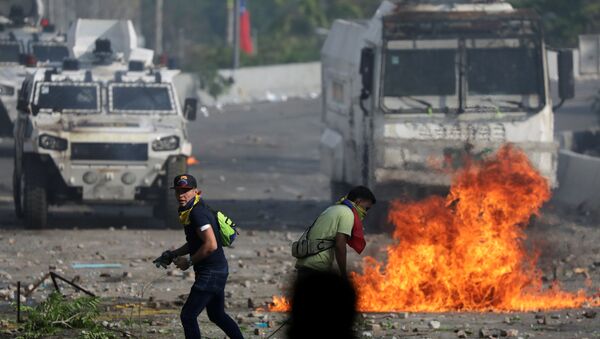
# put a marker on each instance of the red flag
(245, 38)
(357, 238)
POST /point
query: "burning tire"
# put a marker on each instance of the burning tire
(174, 167)
(35, 200)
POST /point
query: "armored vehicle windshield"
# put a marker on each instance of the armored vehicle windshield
(141, 98)
(68, 97)
(50, 52)
(9, 51)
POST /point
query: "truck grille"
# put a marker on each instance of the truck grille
(109, 151)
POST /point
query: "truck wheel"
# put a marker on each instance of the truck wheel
(35, 197)
(175, 166)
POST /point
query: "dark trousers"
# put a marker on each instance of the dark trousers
(207, 293)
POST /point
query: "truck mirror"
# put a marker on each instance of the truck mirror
(189, 108)
(367, 58)
(566, 79)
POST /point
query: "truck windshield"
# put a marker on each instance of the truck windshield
(505, 77)
(71, 97)
(414, 76)
(502, 71)
(9, 52)
(50, 53)
(141, 99)
(498, 75)
(420, 72)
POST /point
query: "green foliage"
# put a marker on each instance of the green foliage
(57, 313)
(565, 20)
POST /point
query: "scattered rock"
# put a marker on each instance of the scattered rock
(509, 333)
(189, 275)
(403, 315)
(367, 334)
(174, 273)
(251, 303)
(434, 324)
(127, 275)
(105, 275)
(484, 333)
(154, 304)
(590, 314)
(461, 334)
(240, 319)
(5, 276)
(80, 246)
(257, 331)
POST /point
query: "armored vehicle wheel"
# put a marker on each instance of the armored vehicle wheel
(175, 166)
(35, 199)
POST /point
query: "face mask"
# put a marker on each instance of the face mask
(362, 213)
(184, 216)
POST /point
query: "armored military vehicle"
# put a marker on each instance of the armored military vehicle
(105, 128)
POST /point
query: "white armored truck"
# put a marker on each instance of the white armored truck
(104, 129)
(408, 94)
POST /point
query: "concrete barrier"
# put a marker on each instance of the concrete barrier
(579, 173)
(269, 83)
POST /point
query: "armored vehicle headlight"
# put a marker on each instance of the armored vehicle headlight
(90, 177)
(51, 142)
(128, 178)
(166, 144)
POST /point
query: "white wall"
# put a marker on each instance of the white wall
(270, 83)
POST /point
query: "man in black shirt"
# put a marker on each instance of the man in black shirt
(206, 255)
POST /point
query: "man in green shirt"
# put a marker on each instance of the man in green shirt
(336, 224)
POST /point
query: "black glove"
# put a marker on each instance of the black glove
(165, 259)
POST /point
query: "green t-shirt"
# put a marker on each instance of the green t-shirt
(335, 219)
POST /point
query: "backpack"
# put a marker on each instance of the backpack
(305, 247)
(228, 228)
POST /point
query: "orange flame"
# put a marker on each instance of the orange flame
(464, 252)
(279, 304)
(191, 161)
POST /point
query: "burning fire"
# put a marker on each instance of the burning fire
(191, 161)
(464, 252)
